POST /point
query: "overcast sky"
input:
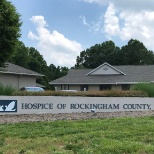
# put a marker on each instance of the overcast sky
(61, 29)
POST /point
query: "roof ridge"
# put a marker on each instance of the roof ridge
(16, 69)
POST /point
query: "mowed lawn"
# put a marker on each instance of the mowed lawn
(102, 136)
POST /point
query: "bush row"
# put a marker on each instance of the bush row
(106, 93)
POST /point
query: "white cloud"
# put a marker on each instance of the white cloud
(84, 20)
(54, 46)
(136, 25)
(111, 21)
(133, 5)
(93, 26)
(39, 21)
(32, 36)
(95, 1)
(128, 19)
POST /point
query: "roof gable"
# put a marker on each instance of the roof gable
(105, 69)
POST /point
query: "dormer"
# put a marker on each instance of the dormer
(105, 69)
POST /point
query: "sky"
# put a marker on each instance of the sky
(61, 29)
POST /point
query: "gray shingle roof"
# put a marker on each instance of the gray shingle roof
(15, 69)
(134, 73)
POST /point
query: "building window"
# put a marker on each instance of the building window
(126, 87)
(64, 87)
(84, 87)
(105, 87)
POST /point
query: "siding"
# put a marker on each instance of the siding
(91, 87)
(27, 81)
(17, 81)
(117, 87)
(94, 87)
(75, 87)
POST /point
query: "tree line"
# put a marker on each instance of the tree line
(13, 50)
(134, 53)
(31, 58)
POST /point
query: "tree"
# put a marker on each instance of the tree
(31, 58)
(98, 54)
(57, 72)
(135, 53)
(21, 55)
(36, 61)
(9, 30)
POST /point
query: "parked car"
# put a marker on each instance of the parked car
(69, 90)
(32, 89)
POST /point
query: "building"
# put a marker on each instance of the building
(105, 77)
(17, 76)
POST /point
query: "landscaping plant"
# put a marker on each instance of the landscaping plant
(146, 87)
(6, 90)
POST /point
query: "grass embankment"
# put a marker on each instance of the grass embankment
(106, 136)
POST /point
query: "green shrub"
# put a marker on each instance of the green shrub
(2, 89)
(106, 93)
(6, 90)
(146, 87)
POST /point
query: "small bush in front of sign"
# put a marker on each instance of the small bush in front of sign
(6, 90)
(146, 87)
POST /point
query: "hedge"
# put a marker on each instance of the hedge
(106, 93)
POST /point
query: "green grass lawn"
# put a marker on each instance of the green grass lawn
(106, 136)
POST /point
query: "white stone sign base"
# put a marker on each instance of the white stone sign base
(58, 104)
